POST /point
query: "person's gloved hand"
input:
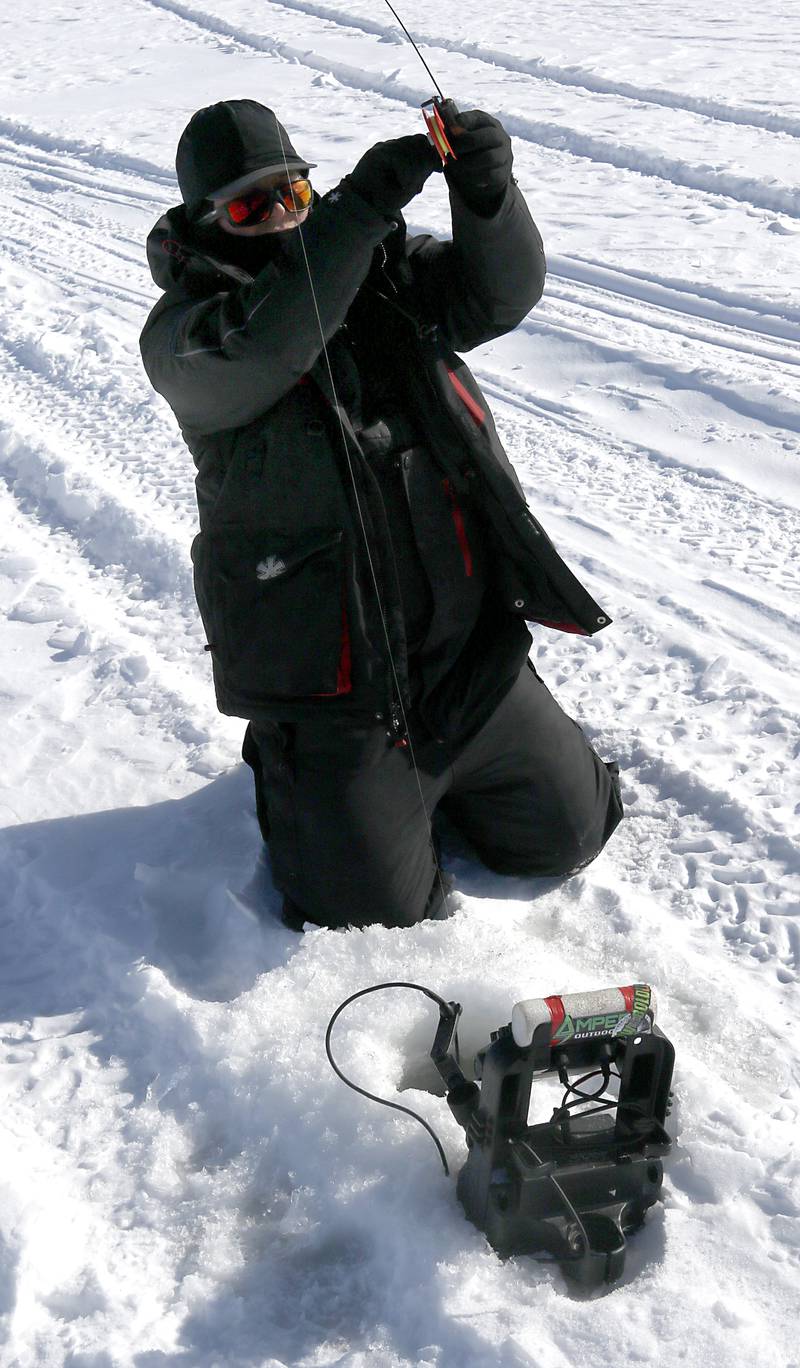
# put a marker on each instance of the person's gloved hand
(391, 173)
(481, 169)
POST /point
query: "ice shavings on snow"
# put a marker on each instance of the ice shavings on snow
(182, 1178)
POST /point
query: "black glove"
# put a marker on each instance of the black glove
(391, 173)
(481, 169)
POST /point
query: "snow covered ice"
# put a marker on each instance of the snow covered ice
(183, 1180)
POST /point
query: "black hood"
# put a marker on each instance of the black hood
(228, 142)
(173, 255)
(178, 250)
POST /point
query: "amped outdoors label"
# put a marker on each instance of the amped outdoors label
(619, 1023)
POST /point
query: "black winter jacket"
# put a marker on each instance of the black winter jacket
(291, 570)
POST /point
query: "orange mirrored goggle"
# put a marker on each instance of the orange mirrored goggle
(256, 205)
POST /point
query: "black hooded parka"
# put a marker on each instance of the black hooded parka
(293, 566)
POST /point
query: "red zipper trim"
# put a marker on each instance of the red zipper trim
(344, 678)
(461, 531)
(463, 393)
(561, 626)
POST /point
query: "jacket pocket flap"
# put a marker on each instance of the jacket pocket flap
(268, 556)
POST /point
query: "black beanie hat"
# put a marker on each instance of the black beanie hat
(227, 146)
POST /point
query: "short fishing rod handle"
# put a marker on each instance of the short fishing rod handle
(441, 118)
(605, 1011)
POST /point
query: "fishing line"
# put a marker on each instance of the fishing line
(372, 570)
(416, 49)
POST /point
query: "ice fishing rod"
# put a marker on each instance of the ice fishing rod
(578, 1185)
(438, 112)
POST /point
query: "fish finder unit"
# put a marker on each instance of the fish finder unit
(578, 1185)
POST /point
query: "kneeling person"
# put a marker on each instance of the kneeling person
(367, 562)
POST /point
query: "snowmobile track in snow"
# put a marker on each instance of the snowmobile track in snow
(704, 179)
(541, 70)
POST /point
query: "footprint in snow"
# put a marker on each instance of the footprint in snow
(67, 643)
(37, 606)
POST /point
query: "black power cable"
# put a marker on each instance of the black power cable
(376, 988)
(561, 1115)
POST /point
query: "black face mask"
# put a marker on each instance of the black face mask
(250, 254)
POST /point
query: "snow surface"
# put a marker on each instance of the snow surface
(182, 1178)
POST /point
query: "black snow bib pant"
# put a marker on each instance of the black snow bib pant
(348, 833)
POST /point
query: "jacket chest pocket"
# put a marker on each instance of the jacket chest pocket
(275, 611)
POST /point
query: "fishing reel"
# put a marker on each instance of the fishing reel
(578, 1185)
(440, 117)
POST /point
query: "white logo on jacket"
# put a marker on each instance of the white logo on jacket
(270, 568)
